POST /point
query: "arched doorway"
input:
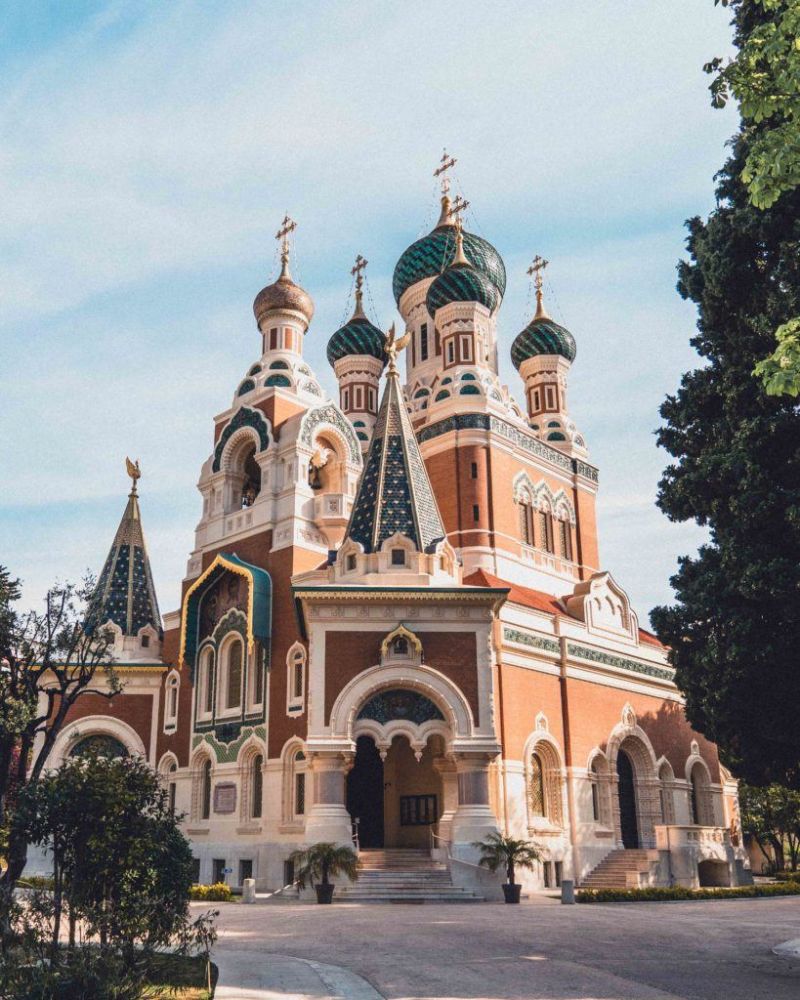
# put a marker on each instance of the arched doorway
(365, 793)
(626, 789)
(412, 801)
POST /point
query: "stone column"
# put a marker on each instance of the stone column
(446, 769)
(473, 818)
(328, 819)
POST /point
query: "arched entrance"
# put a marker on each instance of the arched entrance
(365, 793)
(397, 799)
(626, 789)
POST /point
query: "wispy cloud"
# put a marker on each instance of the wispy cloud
(148, 151)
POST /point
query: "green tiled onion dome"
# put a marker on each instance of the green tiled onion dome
(461, 283)
(542, 336)
(357, 337)
(430, 255)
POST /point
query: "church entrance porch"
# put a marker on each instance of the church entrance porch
(395, 796)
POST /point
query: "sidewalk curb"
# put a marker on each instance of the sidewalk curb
(339, 982)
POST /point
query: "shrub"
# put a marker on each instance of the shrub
(788, 876)
(36, 882)
(217, 893)
(662, 894)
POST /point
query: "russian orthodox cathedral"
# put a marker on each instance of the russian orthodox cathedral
(395, 628)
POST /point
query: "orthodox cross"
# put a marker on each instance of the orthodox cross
(459, 206)
(536, 271)
(446, 163)
(288, 226)
(358, 271)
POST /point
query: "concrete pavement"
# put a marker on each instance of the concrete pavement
(643, 951)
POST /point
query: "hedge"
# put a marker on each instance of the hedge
(656, 895)
(35, 882)
(217, 893)
(788, 876)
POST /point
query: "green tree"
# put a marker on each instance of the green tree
(772, 816)
(734, 629)
(48, 661)
(764, 78)
(498, 851)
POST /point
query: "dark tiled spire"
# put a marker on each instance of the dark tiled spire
(394, 493)
(125, 593)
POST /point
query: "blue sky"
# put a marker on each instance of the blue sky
(148, 152)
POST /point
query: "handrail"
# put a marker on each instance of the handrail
(450, 857)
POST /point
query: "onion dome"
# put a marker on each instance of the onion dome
(358, 337)
(432, 254)
(461, 282)
(542, 336)
(283, 294)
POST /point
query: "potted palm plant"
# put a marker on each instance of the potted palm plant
(499, 851)
(318, 864)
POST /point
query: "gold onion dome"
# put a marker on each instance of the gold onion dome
(285, 296)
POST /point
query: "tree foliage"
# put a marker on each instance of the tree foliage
(48, 660)
(764, 78)
(122, 874)
(772, 815)
(735, 629)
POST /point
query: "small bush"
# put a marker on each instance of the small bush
(655, 895)
(217, 893)
(788, 876)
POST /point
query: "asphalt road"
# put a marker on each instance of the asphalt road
(536, 951)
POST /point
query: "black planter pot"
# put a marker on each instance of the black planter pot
(512, 892)
(324, 893)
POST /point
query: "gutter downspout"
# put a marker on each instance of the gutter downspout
(573, 833)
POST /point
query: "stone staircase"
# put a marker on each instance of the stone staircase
(402, 875)
(614, 869)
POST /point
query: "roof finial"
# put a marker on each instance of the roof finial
(460, 205)
(536, 271)
(134, 472)
(446, 163)
(358, 271)
(288, 226)
(393, 347)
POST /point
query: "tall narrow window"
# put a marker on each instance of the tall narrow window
(450, 351)
(526, 522)
(233, 675)
(256, 786)
(273, 338)
(171, 788)
(565, 539)
(474, 470)
(595, 778)
(538, 801)
(300, 792)
(207, 682)
(423, 342)
(296, 679)
(205, 791)
(545, 526)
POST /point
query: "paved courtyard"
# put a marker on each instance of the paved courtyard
(537, 951)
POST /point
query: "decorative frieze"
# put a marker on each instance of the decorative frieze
(526, 639)
(226, 753)
(620, 662)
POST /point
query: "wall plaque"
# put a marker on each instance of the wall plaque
(225, 797)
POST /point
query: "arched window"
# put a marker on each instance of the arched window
(256, 786)
(172, 787)
(299, 784)
(702, 810)
(538, 802)
(526, 518)
(232, 657)
(598, 778)
(544, 527)
(255, 682)
(295, 679)
(101, 744)
(205, 703)
(205, 790)
(544, 784)
(565, 539)
(171, 702)
(595, 778)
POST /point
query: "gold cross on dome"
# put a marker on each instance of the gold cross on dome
(446, 163)
(457, 209)
(536, 271)
(358, 269)
(288, 226)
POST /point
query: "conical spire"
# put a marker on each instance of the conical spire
(125, 593)
(394, 493)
